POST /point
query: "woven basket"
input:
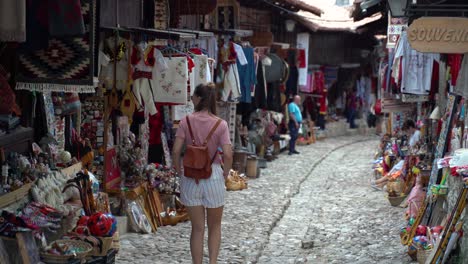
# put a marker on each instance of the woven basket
(234, 182)
(233, 185)
(396, 201)
(87, 248)
(174, 220)
(422, 255)
(107, 243)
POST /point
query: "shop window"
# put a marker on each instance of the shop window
(227, 15)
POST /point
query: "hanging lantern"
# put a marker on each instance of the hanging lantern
(290, 25)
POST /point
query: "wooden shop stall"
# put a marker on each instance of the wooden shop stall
(433, 178)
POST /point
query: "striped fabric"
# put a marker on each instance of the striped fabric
(209, 193)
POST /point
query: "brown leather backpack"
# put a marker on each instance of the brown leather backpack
(197, 161)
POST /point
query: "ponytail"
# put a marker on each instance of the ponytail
(207, 95)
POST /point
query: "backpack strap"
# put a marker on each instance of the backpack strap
(212, 131)
(190, 130)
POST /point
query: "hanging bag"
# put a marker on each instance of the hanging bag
(197, 161)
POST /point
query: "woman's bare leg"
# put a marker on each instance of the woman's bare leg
(214, 232)
(197, 217)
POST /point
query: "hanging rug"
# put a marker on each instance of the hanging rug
(66, 65)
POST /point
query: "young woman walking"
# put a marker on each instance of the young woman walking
(204, 199)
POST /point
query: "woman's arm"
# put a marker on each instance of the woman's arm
(228, 158)
(176, 152)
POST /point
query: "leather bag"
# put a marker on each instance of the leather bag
(197, 161)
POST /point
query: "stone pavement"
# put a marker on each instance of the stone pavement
(316, 207)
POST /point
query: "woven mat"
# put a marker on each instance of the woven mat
(66, 65)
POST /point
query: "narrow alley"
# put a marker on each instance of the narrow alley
(287, 216)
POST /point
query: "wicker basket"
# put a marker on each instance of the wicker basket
(174, 220)
(87, 248)
(396, 201)
(422, 255)
(107, 243)
(15, 195)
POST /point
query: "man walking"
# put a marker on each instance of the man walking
(295, 120)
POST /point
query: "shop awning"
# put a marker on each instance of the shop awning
(198, 34)
(243, 33)
(305, 5)
(334, 18)
(366, 8)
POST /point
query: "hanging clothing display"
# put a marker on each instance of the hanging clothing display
(303, 40)
(228, 74)
(318, 82)
(308, 88)
(454, 61)
(241, 58)
(143, 62)
(231, 83)
(247, 75)
(109, 53)
(261, 87)
(274, 71)
(170, 86)
(13, 20)
(416, 67)
(274, 97)
(292, 82)
(202, 73)
(462, 82)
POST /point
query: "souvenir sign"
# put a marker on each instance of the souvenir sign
(439, 34)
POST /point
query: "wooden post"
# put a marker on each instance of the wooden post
(27, 247)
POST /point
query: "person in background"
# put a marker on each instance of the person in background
(295, 120)
(207, 196)
(352, 108)
(409, 127)
(340, 104)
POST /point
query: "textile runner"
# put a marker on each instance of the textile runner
(66, 65)
(65, 18)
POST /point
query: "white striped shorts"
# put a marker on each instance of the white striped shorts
(209, 192)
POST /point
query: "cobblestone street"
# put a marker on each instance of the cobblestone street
(316, 207)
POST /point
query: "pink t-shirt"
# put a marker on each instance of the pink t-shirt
(202, 123)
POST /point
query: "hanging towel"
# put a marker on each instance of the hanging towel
(65, 18)
(201, 71)
(170, 86)
(13, 20)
